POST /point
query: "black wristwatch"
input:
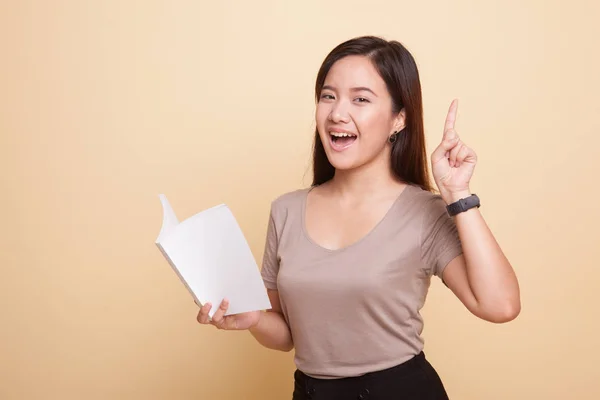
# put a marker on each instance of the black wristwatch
(463, 205)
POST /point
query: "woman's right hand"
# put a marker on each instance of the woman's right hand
(230, 322)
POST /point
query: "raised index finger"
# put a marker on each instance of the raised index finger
(451, 117)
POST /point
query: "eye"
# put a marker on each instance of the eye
(327, 96)
(362, 100)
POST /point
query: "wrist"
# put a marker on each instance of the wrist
(461, 203)
(452, 197)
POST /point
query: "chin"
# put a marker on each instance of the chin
(342, 162)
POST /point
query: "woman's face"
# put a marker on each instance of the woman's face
(354, 114)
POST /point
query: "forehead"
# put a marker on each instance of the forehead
(355, 71)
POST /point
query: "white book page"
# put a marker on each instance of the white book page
(211, 256)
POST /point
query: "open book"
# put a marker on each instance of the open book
(211, 256)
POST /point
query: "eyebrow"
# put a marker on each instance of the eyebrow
(354, 89)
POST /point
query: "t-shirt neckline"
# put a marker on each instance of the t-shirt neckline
(362, 239)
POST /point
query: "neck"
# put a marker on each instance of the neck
(373, 179)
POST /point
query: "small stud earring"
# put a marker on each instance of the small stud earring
(393, 137)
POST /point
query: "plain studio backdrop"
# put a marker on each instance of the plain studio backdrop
(106, 104)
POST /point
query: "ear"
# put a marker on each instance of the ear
(400, 121)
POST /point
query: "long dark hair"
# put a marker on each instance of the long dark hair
(399, 70)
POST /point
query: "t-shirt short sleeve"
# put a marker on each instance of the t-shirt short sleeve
(440, 242)
(270, 262)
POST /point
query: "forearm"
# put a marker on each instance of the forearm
(273, 332)
(491, 277)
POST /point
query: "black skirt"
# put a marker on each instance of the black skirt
(415, 379)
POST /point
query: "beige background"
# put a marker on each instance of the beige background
(106, 104)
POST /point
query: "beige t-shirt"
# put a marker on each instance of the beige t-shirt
(357, 309)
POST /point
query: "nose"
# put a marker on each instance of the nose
(339, 113)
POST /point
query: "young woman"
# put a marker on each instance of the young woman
(348, 261)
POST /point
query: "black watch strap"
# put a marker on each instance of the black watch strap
(463, 205)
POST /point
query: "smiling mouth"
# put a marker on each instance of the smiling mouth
(341, 140)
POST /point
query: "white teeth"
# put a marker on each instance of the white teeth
(341, 134)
